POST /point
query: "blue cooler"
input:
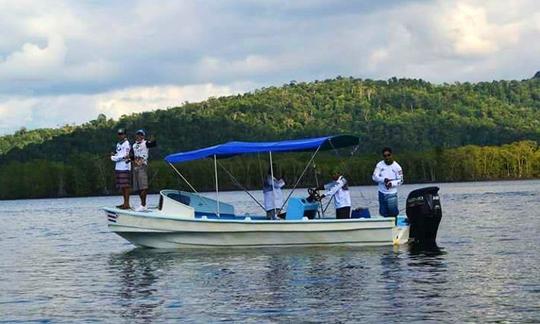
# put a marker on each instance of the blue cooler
(360, 213)
(402, 220)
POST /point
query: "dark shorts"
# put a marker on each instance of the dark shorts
(123, 179)
(343, 213)
(140, 178)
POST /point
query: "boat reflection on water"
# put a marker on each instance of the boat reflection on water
(138, 275)
(350, 283)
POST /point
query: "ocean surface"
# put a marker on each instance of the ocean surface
(60, 263)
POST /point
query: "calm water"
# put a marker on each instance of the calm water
(59, 263)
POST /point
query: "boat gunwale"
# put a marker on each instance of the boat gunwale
(244, 221)
(114, 225)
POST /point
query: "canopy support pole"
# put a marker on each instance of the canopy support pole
(217, 185)
(272, 184)
(321, 212)
(181, 176)
(302, 175)
(204, 199)
(240, 185)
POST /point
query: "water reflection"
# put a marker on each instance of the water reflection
(392, 278)
(138, 272)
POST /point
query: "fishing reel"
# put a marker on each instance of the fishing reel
(314, 195)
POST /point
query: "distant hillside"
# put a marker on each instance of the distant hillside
(406, 114)
(410, 115)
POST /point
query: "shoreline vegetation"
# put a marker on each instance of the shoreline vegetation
(439, 133)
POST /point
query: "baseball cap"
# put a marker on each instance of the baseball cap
(140, 132)
(121, 131)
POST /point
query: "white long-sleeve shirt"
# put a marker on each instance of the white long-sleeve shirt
(141, 151)
(122, 153)
(273, 199)
(340, 191)
(393, 172)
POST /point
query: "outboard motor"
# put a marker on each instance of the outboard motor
(424, 213)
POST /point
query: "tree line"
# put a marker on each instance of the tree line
(421, 121)
(86, 174)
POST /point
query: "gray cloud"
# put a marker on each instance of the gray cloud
(66, 49)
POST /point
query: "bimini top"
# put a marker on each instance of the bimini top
(230, 149)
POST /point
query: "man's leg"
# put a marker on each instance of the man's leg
(142, 178)
(383, 210)
(125, 193)
(142, 194)
(392, 205)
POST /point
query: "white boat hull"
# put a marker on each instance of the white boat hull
(156, 230)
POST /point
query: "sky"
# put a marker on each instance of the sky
(66, 62)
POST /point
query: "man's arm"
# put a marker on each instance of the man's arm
(332, 190)
(116, 157)
(399, 177)
(376, 175)
(279, 183)
(151, 142)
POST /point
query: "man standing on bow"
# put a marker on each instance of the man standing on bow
(140, 166)
(122, 167)
(388, 175)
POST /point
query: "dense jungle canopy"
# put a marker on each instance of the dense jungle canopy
(439, 132)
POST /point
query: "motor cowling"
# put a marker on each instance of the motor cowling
(424, 213)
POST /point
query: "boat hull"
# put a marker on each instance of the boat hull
(155, 230)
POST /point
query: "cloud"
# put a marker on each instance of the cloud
(34, 63)
(55, 111)
(60, 50)
(140, 99)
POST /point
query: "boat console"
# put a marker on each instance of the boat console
(298, 208)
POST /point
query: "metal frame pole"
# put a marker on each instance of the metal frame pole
(217, 185)
(301, 176)
(240, 186)
(272, 184)
(183, 178)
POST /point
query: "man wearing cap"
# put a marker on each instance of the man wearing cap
(140, 166)
(122, 167)
(340, 191)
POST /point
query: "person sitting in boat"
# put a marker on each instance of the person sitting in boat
(140, 166)
(273, 196)
(122, 168)
(339, 190)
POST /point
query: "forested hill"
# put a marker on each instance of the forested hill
(410, 115)
(431, 128)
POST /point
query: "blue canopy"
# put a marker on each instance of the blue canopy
(236, 148)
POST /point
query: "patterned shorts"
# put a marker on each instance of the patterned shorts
(140, 178)
(123, 179)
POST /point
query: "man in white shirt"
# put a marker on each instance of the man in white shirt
(122, 168)
(388, 175)
(273, 196)
(339, 189)
(140, 166)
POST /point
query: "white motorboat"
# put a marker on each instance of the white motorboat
(191, 220)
